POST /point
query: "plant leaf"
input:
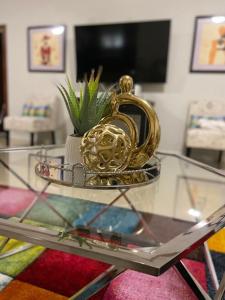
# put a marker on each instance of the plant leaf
(102, 104)
(93, 89)
(66, 99)
(87, 111)
(92, 109)
(81, 98)
(73, 98)
(84, 123)
(93, 83)
(99, 73)
(71, 104)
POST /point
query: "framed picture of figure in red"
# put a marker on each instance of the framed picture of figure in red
(46, 48)
(208, 50)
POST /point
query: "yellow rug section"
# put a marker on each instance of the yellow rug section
(217, 242)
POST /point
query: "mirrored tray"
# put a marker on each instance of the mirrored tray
(77, 175)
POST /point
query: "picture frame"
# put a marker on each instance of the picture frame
(46, 48)
(208, 47)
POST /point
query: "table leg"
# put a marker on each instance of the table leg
(211, 266)
(97, 284)
(207, 253)
(32, 139)
(192, 282)
(221, 290)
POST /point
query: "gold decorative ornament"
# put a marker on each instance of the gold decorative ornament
(120, 179)
(140, 155)
(106, 148)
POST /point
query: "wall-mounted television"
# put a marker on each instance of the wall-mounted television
(137, 49)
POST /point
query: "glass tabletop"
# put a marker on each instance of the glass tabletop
(146, 228)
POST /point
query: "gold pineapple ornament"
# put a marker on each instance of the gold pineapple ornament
(107, 147)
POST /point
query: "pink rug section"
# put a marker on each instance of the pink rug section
(132, 285)
(14, 200)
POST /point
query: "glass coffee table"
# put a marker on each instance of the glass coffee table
(148, 228)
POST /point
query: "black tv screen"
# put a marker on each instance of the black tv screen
(136, 49)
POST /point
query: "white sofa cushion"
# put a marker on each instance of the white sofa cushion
(205, 138)
(212, 124)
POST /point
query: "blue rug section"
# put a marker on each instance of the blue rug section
(80, 211)
(68, 207)
(219, 263)
(115, 219)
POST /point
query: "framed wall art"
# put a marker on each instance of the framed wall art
(46, 48)
(208, 50)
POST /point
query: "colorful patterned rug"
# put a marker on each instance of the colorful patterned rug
(37, 273)
(217, 248)
(47, 273)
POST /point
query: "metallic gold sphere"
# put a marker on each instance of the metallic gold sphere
(106, 148)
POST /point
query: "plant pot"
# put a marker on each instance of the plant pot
(72, 149)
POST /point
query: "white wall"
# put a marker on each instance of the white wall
(171, 98)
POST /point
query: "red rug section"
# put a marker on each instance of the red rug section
(62, 273)
(197, 269)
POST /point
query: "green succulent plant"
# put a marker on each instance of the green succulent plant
(88, 109)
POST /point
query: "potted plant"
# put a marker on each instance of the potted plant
(85, 111)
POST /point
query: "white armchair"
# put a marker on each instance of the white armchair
(37, 116)
(206, 126)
